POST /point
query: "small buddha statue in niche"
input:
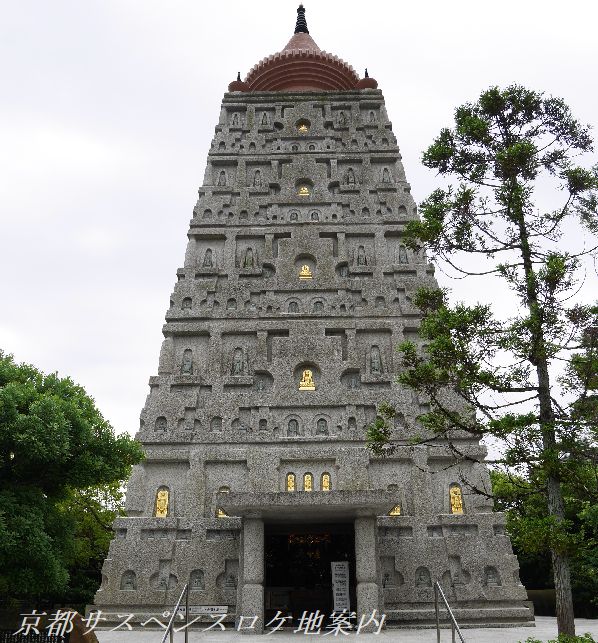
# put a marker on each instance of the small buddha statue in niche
(456, 499)
(492, 579)
(197, 580)
(303, 190)
(303, 128)
(361, 256)
(257, 179)
(326, 482)
(208, 261)
(395, 511)
(375, 361)
(305, 272)
(249, 261)
(293, 428)
(235, 120)
(342, 119)
(222, 179)
(322, 427)
(307, 381)
(187, 363)
(220, 513)
(294, 216)
(350, 176)
(129, 581)
(403, 254)
(422, 578)
(265, 118)
(238, 367)
(162, 503)
(385, 175)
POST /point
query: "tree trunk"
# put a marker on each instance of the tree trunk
(560, 560)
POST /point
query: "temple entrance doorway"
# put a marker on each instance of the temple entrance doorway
(298, 576)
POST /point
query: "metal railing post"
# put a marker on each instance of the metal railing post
(170, 626)
(454, 625)
(437, 608)
(187, 615)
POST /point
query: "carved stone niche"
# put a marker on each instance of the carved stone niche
(375, 351)
(258, 178)
(227, 581)
(360, 254)
(249, 255)
(238, 356)
(351, 379)
(209, 253)
(224, 175)
(263, 381)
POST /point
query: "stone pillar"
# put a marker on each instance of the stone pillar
(252, 590)
(366, 560)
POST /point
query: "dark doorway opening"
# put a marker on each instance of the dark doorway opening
(298, 576)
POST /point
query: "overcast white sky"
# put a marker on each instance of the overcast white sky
(107, 110)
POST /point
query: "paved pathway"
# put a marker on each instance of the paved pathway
(545, 629)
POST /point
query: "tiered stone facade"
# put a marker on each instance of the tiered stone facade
(296, 263)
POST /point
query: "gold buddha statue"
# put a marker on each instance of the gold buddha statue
(161, 503)
(290, 482)
(303, 128)
(307, 381)
(305, 272)
(303, 190)
(326, 482)
(456, 499)
(395, 511)
(220, 513)
(308, 482)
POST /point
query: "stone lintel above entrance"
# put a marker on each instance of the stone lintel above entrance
(313, 506)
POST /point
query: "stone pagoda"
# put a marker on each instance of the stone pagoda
(280, 344)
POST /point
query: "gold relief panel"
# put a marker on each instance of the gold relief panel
(326, 483)
(456, 499)
(395, 511)
(162, 501)
(305, 272)
(290, 482)
(308, 482)
(307, 382)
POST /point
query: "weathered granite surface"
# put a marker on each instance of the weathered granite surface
(293, 180)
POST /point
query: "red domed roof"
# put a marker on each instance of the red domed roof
(301, 66)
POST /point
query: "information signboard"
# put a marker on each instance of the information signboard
(340, 585)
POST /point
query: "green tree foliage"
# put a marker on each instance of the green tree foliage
(501, 148)
(58, 453)
(530, 528)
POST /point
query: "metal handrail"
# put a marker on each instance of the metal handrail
(454, 626)
(169, 628)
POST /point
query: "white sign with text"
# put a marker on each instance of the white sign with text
(340, 585)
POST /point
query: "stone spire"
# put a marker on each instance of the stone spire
(301, 26)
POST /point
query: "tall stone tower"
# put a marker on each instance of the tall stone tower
(279, 346)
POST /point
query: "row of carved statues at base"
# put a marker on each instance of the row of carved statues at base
(422, 578)
(163, 581)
